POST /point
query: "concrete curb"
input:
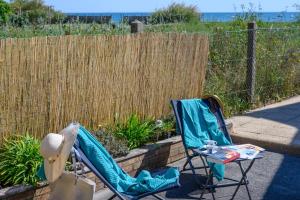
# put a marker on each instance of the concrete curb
(265, 142)
(275, 127)
(268, 145)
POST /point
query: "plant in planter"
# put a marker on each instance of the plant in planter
(136, 131)
(164, 128)
(19, 160)
(114, 145)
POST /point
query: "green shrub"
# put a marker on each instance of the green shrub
(175, 13)
(136, 131)
(5, 10)
(35, 12)
(115, 146)
(19, 161)
(18, 20)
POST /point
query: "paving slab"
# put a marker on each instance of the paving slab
(275, 127)
(275, 177)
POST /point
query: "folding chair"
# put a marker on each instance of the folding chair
(216, 106)
(82, 158)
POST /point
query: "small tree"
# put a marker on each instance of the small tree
(34, 12)
(176, 13)
(5, 10)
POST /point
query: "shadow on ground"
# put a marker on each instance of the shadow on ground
(276, 177)
(286, 180)
(188, 190)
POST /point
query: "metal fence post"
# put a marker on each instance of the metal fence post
(251, 62)
(136, 26)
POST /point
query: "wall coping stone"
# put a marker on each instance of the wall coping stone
(16, 189)
(149, 147)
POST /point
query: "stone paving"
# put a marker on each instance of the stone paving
(275, 127)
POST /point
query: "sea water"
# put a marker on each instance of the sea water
(207, 17)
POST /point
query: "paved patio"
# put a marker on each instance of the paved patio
(275, 177)
(275, 127)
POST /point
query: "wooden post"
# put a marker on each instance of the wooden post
(136, 26)
(251, 62)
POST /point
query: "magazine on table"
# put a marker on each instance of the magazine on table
(246, 151)
(225, 154)
(222, 156)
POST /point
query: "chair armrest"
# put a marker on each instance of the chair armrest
(199, 152)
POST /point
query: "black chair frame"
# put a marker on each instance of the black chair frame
(216, 107)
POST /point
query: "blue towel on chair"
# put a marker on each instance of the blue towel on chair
(120, 180)
(200, 124)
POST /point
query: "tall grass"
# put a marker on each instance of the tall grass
(277, 60)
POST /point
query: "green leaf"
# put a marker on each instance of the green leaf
(19, 160)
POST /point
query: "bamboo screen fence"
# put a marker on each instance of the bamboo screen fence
(47, 82)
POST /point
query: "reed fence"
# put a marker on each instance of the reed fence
(47, 82)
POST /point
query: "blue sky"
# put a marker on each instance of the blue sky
(151, 5)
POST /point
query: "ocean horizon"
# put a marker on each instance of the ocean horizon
(205, 17)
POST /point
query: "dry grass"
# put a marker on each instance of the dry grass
(47, 82)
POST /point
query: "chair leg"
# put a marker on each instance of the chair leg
(245, 180)
(192, 168)
(112, 197)
(213, 195)
(212, 190)
(204, 164)
(158, 197)
(211, 180)
(189, 161)
(244, 173)
(208, 181)
(194, 172)
(185, 164)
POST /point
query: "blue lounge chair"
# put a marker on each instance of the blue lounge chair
(215, 105)
(84, 158)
